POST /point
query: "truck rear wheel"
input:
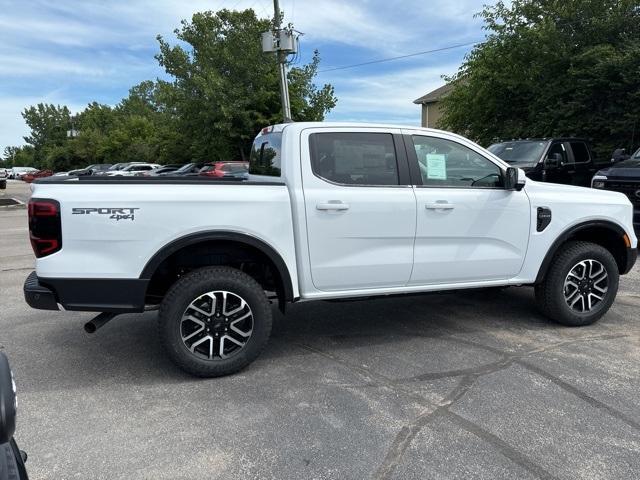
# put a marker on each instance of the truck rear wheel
(580, 286)
(214, 321)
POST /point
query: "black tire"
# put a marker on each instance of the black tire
(550, 294)
(3, 184)
(194, 285)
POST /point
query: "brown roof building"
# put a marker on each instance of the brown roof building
(431, 105)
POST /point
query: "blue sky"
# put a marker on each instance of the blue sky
(73, 52)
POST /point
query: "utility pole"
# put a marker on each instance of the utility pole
(282, 41)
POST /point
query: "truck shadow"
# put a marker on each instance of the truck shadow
(127, 349)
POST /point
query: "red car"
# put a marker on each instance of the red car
(30, 177)
(239, 170)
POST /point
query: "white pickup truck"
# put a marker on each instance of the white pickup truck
(330, 211)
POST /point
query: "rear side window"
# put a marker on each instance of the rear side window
(580, 152)
(354, 158)
(265, 155)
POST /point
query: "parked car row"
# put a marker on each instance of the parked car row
(231, 170)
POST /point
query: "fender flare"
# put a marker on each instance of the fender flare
(564, 236)
(154, 262)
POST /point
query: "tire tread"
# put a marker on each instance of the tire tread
(546, 291)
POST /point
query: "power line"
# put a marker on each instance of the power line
(389, 59)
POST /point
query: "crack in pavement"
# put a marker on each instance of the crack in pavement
(15, 269)
(407, 433)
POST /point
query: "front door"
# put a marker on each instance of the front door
(563, 172)
(469, 228)
(360, 208)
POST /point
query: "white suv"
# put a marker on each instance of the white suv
(133, 170)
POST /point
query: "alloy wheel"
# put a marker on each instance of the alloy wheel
(586, 285)
(216, 325)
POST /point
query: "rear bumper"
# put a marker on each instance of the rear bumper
(86, 294)
(37, 295)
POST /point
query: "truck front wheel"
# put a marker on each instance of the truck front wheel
(214, 321)
(580, 286)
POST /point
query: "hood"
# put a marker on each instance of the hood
(557, 192)
(625, 169)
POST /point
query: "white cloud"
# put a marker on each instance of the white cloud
(29, 65)
(388, 96)
(61, 46)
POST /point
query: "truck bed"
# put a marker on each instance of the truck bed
(113, 226)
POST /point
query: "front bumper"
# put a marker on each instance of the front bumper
(632, 256)
(37, 295)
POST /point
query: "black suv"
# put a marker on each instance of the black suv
(558, 160)
(623, 177)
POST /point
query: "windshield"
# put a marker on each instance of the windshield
(636, 154)
(521, 152)
(185, 168)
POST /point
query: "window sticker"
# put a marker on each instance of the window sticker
(436, 166)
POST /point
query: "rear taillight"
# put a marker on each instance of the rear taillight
(45, 229)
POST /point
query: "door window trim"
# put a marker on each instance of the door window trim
(402, 162)
(416, 176)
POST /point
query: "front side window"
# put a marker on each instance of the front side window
(265, 155)
(354, 158)
(444, 163)
(558, 148)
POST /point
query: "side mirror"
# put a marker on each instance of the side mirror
(514, 179)
(7, 401)
(554, 160)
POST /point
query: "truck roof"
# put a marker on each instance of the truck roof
(543, 139)
(302, 125)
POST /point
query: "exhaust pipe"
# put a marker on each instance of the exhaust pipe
(94, 324)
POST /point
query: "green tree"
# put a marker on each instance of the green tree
(18, 157)
(225, 88)
(551, 67)
(49, 124)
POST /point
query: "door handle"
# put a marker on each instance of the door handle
(333, 205)
(440, 206)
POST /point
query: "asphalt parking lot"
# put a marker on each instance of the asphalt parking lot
(458, 385)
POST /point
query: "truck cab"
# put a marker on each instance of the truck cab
(566, 160)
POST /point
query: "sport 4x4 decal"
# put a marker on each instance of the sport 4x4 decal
(114, 213)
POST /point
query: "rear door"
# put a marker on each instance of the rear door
(469, 228)
(360, 208)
